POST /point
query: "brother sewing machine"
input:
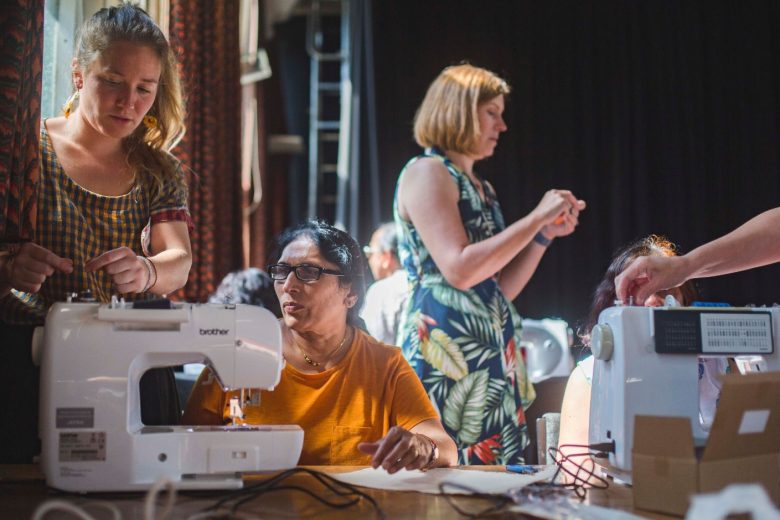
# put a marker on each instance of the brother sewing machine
(92, 358)
(646, 364)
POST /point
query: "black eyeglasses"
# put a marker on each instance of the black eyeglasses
(304, 272)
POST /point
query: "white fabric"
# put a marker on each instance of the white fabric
(709, 388)
(385, 302)
(492, 482)
(586, 365)
(733, 499)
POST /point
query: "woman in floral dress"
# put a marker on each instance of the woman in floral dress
(460, 331)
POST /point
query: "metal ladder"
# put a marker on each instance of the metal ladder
(329, 110)
(334, 111)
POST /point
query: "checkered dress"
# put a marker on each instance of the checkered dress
(76, 223)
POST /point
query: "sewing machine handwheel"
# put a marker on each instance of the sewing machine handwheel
(38, 340)
(601, 343)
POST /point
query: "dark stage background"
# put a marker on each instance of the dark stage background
(663, 115)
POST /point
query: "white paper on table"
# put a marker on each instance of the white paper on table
(492, 482)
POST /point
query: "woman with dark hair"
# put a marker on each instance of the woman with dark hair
(357, 400)
(604, 296)
(575, 410)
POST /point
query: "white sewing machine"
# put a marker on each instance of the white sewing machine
(93, 357)
(646, 364)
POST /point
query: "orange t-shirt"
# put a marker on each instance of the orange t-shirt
(370, 390)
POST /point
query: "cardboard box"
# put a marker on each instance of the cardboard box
(743, 446)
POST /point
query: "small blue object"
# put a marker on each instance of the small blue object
(710, 304)
(542, 240)
(524, 469)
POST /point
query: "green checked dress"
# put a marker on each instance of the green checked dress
(76, 223)
(464, 344)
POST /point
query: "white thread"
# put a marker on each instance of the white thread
(79, 512)
(150, 502)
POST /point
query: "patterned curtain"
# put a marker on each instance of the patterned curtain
(204, 35)
(21, 55)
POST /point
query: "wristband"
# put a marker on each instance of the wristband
(434, 453)
(542, 240)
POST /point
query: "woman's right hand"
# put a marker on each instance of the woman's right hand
(30, 266)
(556, 205)
(399, 449)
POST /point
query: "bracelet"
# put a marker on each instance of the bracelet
(151, 271)
(154, 272)
(542, 240)
(434, 453)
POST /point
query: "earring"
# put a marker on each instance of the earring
(150, 122)
(67, 108)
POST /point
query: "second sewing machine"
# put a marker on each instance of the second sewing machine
(646, 363)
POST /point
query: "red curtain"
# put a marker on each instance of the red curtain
(21, 55)
(205, 37)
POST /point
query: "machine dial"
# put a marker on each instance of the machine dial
(601, 342)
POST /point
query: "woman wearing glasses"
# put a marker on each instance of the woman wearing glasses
(357, 400)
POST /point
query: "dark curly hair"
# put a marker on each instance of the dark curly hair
(337, 247)
(604, 296)
(252, 286)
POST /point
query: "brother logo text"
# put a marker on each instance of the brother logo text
(214, 332)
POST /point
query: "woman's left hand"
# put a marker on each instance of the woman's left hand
(563, 225)
(128, 273)
(400, 448)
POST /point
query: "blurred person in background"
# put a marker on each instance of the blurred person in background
(385, 298)
(575, 409)
(251, 286)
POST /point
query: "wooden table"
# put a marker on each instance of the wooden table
(22, 489)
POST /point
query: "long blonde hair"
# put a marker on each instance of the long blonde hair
(448, 117)
(147, 148)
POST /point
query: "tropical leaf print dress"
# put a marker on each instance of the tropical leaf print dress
(464, 344)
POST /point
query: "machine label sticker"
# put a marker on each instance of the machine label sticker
(729, 333)
(68, 472)
(75, 418)
(82, 446)
(753, 421)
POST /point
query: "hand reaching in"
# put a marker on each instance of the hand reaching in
(31, 266)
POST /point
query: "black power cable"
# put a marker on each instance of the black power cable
(583, 477)
(349, 495)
